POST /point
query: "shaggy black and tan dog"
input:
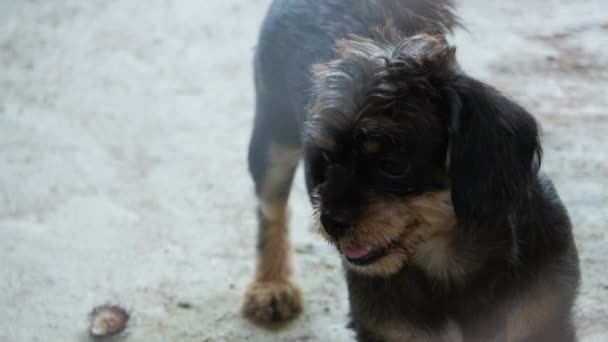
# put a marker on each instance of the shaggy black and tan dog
(426, 180)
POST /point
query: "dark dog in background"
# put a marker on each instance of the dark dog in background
(426, 180)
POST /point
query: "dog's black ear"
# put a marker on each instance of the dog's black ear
(494, 152)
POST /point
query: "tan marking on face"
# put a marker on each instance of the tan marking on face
(418, 230)
(371, 146)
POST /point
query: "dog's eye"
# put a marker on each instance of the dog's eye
(393, 167)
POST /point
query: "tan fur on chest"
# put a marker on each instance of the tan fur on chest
(442, 253)
(399, 332)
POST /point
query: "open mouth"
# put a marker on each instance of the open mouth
(366, 255)
(363, 255)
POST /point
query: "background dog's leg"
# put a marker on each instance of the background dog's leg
(272, 297)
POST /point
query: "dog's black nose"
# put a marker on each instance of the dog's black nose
(336, 223)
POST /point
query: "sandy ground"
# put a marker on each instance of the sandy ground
(123, 131)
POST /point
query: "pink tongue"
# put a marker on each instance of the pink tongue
(354, 252)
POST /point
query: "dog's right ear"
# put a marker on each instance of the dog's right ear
(493, 152)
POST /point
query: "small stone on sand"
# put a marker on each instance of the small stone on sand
(108, 320)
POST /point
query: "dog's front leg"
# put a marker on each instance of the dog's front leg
(272, 297)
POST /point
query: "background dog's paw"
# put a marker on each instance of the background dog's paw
(272, 302)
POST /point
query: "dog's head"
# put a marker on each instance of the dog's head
(404, 152)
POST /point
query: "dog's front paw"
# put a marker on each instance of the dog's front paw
(272, 302)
